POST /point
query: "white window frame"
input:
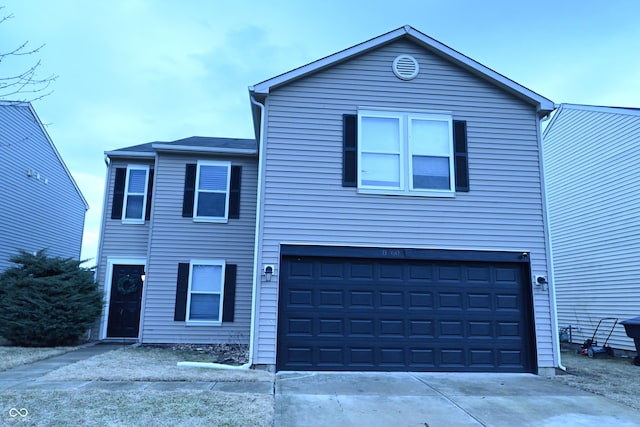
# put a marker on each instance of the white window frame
(140, 220)
(198, 262)
(407, 150)
(197, 192)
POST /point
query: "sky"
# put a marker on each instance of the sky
(136, 71)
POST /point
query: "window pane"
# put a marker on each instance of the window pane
(134, 207)
(204, 307)
(380, 170)
(137, 179)
(380, 134)
(211, 204)
(206, 278)
(431, 172)
(430, 137)
(213, 178)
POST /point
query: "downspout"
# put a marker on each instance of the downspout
(254, 290)
(555, 345)
(107, 162)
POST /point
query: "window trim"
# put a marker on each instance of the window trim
(406, 153)
(196, 201)
(198, 262)
(126, 195)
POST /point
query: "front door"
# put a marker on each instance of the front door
(125, 302)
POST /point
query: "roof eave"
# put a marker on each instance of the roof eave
(208, 150)
(136, 154)
(543, 105)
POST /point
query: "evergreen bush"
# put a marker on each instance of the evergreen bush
(47, 301)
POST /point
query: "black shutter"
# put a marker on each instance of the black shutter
(189, 190)
(147, 214)
(118, 193)
(182, 287)
(350, 150)
(234, 192)
(229, 303)
(461, 160)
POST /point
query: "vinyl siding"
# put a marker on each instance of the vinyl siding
(46, 213)
(175, 239)
(304, 201)
(123, 241)
(591, 160)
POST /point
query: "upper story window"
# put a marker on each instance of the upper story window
(135, 196)
(212, 191)
(132, 194)
(405, 153)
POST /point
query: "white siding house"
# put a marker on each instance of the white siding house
(592, 164)
(42, 206)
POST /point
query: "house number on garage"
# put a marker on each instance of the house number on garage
(392, 253)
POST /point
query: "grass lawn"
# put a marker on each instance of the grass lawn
(108, 408)
(140, 408)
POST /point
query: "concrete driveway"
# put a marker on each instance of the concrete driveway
(439, 399)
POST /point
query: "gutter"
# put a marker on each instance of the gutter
(254, 290)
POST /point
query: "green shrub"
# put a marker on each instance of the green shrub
(47, 301)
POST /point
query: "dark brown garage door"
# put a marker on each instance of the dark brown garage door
(404, 315)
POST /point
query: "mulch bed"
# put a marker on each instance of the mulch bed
(228, 354)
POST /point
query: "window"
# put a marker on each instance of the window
(206, 284)
(405, 153)
(212, 191)
(135, 194)
(132, 190)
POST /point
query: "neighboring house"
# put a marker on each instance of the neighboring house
(400, 222)
(592, 171)
(42, 207)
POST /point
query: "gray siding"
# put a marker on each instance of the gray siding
(304, 201)
(46, 213)
(592, 158)
(118, 240)
(175, 239)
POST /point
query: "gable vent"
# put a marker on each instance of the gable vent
(405, 67)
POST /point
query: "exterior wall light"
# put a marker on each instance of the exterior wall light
(268, 272)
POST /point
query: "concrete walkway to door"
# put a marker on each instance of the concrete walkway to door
(439, 399)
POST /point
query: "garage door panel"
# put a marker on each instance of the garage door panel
(354, 314)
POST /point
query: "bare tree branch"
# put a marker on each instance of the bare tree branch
(26, 84)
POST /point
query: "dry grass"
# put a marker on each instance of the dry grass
(149, 364)
(10, 357)
(615, 378)
(149, 408)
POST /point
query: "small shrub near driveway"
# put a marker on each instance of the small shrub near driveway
(47, 301)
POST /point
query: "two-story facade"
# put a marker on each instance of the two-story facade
(400, 218)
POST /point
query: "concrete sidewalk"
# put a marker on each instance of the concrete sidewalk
(28, 377)
(439, 399)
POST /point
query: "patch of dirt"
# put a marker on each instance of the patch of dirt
(228, 354)
(616, 378)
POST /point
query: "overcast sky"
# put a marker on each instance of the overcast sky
(138, 71)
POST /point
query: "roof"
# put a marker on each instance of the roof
(200, 144)
(27, 106)
(544, 106)
(622, 111)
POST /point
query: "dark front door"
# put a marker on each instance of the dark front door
(124, 305)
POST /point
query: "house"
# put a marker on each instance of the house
(592, 169)
(399, 220)
(42, 206)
